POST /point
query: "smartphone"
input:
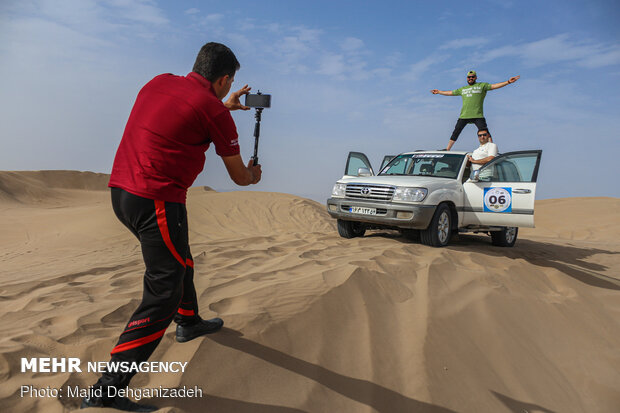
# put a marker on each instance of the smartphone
(258, 101)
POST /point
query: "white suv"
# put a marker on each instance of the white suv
(433, 194)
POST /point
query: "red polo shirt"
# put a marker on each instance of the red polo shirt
(171, 125)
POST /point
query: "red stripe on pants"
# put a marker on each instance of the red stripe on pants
(162, 222)
(186, 312)
(138, 342)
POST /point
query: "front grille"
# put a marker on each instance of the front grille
(370, 192)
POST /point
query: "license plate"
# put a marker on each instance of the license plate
(362, 210)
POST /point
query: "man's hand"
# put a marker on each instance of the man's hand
(255, 171)
(435, 91)
(234, 101)
(240, 174)
(513, 79)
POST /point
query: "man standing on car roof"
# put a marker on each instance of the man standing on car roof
(473, 100)
(173, 122)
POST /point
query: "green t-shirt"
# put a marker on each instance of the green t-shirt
(473, 99)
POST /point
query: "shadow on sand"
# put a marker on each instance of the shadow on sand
(516, 406)
(373, 395)
(567, 259)
(213, 404)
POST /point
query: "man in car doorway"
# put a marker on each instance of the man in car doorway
(485, 152)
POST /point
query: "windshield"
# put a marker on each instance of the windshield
(425, 164)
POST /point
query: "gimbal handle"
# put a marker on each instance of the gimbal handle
(256, 135)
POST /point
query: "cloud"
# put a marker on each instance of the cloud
(417, 69)
(466, 42)
(35, 40)
(351, 44)
(213, 18)
(295, 48)
(559, 49)
(143, 11)
(107, 19)
(332, 65)
(193, 10)
(602, 59)
(506, 4)
(306, 34)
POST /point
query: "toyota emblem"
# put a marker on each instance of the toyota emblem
(365, 191)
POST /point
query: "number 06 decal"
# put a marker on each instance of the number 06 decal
(497, 199)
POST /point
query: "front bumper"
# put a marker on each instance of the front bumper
(389, 214)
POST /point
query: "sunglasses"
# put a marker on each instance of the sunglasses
(483, 134)
(471, 77)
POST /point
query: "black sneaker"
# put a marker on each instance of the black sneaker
(118, 403)
(202, 327)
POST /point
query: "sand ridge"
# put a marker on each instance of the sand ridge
(314, 322)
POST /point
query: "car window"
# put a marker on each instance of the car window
(425, 164)
(399, 166)
(355, 162)
(386, 160)
(511, 168)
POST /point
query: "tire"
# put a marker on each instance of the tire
(411, 234)
(505, 238)
(350, 229)
(439, 230)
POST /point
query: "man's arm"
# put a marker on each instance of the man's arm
(239, 173)
(506, 83)
(441, 92)
(480, 161)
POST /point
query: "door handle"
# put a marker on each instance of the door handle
(521, 191)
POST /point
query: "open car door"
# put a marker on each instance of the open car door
(504, 193)
(355, 162)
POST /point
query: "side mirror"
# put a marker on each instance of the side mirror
(474, 176)
(363, 172)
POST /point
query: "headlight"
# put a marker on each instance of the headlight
(339, 190)
(403, 193)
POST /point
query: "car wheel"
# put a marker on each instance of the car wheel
(411, 234)
(351, 229)
(505, 238)
(439, 230)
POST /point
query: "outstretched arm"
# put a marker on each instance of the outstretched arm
(441, 92)
(506, 83)
(240, 174)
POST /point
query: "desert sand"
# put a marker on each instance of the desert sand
(315, 322)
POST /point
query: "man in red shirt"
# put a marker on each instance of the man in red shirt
(172, 124)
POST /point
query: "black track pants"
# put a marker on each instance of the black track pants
(481, 123)
(169, 294)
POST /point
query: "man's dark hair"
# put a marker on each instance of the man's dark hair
(484, 130)
(214, 61)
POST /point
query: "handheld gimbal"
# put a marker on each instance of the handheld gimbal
(260, 102)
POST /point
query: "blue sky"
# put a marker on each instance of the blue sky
(344, 75)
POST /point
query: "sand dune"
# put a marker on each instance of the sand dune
(32, 187)
(314, 322)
